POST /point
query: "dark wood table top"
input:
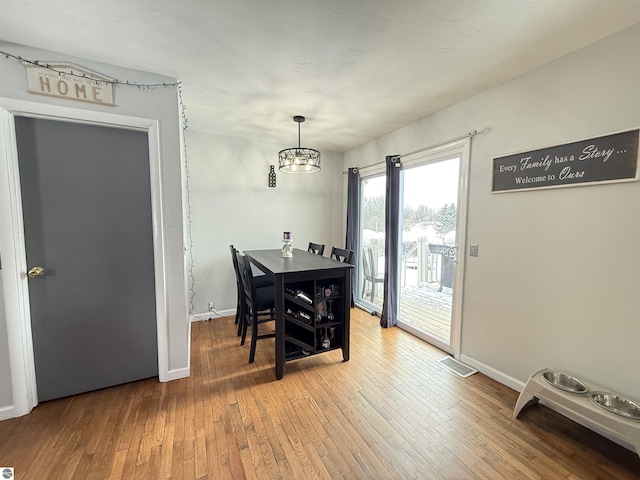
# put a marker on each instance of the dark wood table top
(272, 261)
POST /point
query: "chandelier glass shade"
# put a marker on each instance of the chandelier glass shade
(299, 159)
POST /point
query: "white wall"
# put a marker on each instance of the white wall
(556, 281)
(231, 203)
(160, 104)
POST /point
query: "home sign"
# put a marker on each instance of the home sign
(609, 158)
(66, 80)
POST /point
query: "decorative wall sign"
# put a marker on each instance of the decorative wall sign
(66, 80)
(610, 158)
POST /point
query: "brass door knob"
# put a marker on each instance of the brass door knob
(36, 272)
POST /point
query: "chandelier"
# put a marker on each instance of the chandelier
(299, 160)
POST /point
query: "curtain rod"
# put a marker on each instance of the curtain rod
(471, 134)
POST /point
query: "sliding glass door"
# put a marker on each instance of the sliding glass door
(429, 249)
(372, 235)
(432, 233)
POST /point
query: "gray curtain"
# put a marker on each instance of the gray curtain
(391, 243)
(353, 223)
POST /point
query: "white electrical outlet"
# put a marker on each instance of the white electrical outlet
(212, 306)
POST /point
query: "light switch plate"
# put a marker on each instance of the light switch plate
(473, 250)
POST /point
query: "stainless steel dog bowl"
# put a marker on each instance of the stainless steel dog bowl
(616, 404)
(564, 382)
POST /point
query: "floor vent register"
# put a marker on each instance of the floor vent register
(457, 367)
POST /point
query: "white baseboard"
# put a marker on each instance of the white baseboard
(7, 412)
(199, 317)
(497, 375)
(518, 386)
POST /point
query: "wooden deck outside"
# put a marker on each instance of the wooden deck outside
(427, 310)
(424, 308)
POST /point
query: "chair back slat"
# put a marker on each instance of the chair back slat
(247, 279)
(317, 248)
(239, 289)
(236, 267)
(342, 255)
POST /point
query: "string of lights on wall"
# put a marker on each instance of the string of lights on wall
(37, 63)
(184, 125)
(187, 175)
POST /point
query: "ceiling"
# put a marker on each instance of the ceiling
(357, 69)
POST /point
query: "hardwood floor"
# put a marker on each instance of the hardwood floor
(391, 412)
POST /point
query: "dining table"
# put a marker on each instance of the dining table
(312, 303)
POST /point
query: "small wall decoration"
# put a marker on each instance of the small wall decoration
(605, 159)
(272, 176)
(70, 81)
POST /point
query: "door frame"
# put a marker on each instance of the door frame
(12, 238)
(461, 148)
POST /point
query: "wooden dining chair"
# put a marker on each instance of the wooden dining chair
(342, 255)
(259, 306)
(239, 287)
(317, 248)
(369, 272)
(260, 281)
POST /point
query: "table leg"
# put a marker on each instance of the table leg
(347, 316)
(279, 281)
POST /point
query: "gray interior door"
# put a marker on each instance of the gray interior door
(86, 201)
